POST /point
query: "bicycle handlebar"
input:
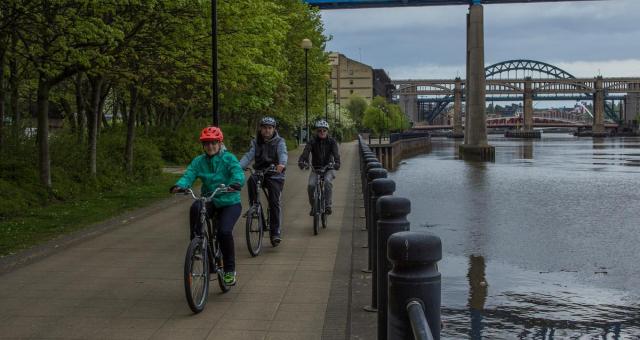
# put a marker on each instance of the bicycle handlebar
(222, 189)
(270, 170)
(323, 168)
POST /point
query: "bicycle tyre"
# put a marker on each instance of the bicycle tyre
(196, 297)
(254, 231)
(220, 269)
(316, 213)
(324, 221)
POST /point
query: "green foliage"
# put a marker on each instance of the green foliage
(20, 188)
(155, 59)
(357, 106)
(382, 117)
(26, 227)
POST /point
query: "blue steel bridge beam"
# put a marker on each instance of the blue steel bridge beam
(352, 4)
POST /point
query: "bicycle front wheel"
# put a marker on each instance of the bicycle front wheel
(196, 275)
(219, 269)
(316, 213)
(254, 230)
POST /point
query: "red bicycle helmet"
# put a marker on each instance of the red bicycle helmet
(210, 134)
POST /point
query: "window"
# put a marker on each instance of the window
(351, 82)
(351, 91)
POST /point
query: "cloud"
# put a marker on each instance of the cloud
(586, 36)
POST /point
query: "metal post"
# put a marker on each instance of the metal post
(377, 188)
(392, 218)
(414, 276)
(214, 63)
(306, 95)
(326, 102)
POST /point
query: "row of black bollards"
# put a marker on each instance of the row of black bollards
(403, 264)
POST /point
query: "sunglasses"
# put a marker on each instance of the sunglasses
(323, 130)
(215, 142)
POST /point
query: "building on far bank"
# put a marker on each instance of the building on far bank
(382, 85)
(350, 78)
(353, 78)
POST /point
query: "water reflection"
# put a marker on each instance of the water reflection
(553, 233)
(526, 150)
(477, 294)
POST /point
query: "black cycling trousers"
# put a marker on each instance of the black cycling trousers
(226, 219)
(274, 191)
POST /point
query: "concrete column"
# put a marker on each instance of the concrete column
(457, 108)
(409, 104)
(528, 105)
(598, 107)
(475, 138)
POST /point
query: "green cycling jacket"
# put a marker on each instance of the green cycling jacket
(221, 168)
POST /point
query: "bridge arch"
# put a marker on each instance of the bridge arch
(505, 67)
(526, 65)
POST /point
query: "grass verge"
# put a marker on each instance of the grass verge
(45, 223)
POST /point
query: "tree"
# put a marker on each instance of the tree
(357, 106)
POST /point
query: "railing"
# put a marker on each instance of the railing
(419, 324)
(403, 264)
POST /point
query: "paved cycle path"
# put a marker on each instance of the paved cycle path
(126, 283)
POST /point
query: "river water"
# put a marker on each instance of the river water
(542, 244)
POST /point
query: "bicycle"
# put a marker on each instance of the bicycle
(203, 251)
(255, 231)
(319, 204)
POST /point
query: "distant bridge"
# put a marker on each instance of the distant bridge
(512, 80)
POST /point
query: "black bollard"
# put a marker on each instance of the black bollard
(365, 186)
(372, 174)
(413, 277)
(363, 169)
(392, 218)
(377, 188)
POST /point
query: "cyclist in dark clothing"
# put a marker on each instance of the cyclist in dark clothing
(268, 149)
(323, 150)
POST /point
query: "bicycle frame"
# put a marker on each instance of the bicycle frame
(259, 176)
(321, 172)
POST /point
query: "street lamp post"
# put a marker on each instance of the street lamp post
(214, 62)
(335, 101)
(326, 100)
(306, 45)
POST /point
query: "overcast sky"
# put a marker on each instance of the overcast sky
(583, 38)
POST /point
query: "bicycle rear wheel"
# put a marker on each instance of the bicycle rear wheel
(254, 230)
(196, 275)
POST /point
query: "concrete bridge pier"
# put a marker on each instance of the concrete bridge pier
(598, 109)
(528, 106)
(457, 110)
(475, 145)
(527, 126)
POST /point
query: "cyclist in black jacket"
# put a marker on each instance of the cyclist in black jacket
(324, 150)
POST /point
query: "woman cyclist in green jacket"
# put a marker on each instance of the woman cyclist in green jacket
(214, 167)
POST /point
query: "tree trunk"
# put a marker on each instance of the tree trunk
(68, 110)
(103, 98)
(131, 128)
(43, 131)
(80, 114)
(3, 96)
(123, 110)
(93, 116)
(13, 81)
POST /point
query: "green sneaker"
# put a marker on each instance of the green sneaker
(230, 278)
